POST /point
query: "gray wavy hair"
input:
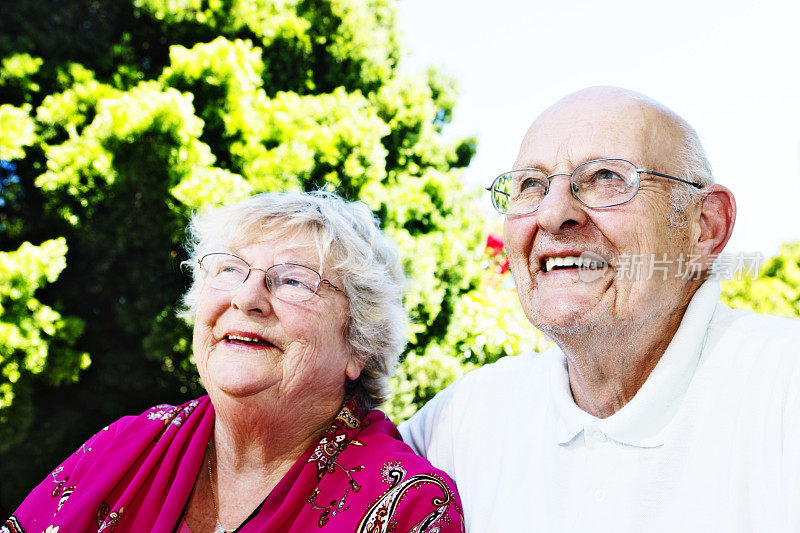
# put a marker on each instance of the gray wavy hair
(349, 242)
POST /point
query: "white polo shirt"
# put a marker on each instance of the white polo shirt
(711, 442)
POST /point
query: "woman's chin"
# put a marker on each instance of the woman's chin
(240, 374)
(242, 390)
(241, 383)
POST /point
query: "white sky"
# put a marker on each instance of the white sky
(731, 68)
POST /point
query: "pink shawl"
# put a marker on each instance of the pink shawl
(137, 474)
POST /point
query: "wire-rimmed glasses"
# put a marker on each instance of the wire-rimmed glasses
(289, 282)
(597, 183)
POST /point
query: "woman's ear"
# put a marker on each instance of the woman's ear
(353, 369)
(717, 216)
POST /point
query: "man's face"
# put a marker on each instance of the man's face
(567, 301)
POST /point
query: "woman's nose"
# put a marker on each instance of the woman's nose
(253, 296)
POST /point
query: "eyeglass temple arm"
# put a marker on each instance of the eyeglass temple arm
(489, 188)
(654, 173)
(332, 286)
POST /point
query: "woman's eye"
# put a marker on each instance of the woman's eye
(294, 283)
(230, 269)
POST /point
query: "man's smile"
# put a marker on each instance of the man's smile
(572, 262)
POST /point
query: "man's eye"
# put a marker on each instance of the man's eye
(531, 185)
(605, 174)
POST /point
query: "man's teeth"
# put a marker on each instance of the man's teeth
(580, 262)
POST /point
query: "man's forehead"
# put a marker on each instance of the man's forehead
(554, 148)
(597, 123)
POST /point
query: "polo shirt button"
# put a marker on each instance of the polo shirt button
(595, 435)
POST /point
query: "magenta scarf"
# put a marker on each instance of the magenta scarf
(137, 474)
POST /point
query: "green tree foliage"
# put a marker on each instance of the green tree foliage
(120, 118)
(776, 288)
(35, 340)
(487, 323)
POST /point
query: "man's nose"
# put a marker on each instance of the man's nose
(560, 209)
(253, 296)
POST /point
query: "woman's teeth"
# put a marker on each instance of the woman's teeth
(247, 340)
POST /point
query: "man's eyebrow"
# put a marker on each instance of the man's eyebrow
(573, 162)
(593, 156)
(529, 165)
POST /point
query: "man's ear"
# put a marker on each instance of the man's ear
(717, 216)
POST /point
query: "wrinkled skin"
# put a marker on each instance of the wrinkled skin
(591, 317)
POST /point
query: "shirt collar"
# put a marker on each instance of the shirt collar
(642, 420)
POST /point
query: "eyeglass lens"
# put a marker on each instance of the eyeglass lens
(288, 281)
(602, 183)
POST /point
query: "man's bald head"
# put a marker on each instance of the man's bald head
(666, 139)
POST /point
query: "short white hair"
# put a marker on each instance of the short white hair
(691, 164)
(349, 242)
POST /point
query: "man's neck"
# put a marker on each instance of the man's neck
(607, 366)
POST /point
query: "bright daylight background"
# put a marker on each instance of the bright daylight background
(731, 68)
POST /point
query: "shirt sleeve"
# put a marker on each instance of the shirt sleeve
(430, 431)
(791, 453)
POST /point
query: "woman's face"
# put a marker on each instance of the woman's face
(247, 342)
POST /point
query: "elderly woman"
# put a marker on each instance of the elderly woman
(298, 321)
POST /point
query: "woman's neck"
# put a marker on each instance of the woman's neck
(262, 433)
(254, 444)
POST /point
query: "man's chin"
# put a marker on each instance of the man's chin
(558, 299)
(558, 326)
(567, 312)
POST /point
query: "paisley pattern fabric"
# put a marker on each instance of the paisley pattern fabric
(137, 475)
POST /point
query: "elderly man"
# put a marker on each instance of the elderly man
(659, 409)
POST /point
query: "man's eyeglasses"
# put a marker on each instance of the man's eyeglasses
(289, 282)
(596, 183)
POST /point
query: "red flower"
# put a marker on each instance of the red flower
(494, 246)
(494, 243)
(503, 267)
